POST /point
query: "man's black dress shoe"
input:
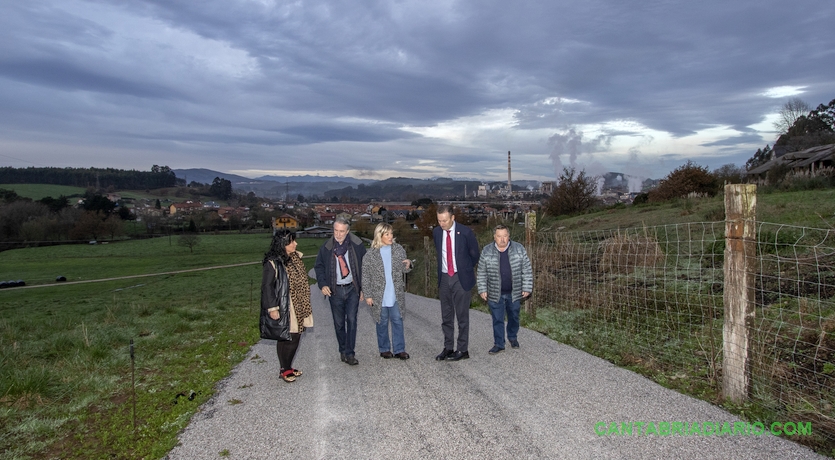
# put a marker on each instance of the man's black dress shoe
(444, 354)
(343, 357)
(351, 360)
(402, 355)
(458, 355)
(387, 355)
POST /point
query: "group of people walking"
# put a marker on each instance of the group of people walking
(348, 274)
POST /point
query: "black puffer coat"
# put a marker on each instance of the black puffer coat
(275, 292)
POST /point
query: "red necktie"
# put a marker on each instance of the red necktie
(343, 267)
(450, 265)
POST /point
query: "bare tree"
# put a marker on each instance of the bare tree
(189, 240)
(793, 109)
(729, 174)
(574, 193)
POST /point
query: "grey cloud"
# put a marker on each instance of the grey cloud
(331, 72)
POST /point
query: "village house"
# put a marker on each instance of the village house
(227, 212)
(285, 221)
(810, 162)
(188, 207)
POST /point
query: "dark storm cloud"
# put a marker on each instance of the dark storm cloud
(68, 77)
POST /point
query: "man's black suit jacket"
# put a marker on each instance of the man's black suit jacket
(467, 253)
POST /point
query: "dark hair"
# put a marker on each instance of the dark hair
(445, 209)
(278, 251)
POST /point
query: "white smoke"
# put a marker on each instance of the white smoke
(571, 144)
(634, 180)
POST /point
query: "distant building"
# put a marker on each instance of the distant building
(188, 207)
(285, 221)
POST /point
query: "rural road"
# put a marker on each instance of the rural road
(543, 400)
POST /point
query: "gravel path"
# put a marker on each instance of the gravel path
(543, 400)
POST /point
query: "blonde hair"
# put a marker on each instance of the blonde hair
(381, 229)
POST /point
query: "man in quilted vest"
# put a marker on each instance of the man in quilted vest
(504, 278)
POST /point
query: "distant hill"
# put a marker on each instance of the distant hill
(207, 176)
(275, 187)
(408, 189)
(327, 187)
(316, 179)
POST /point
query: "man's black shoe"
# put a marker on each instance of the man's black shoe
(343, 357)
(458, 355)
(444, 354)
(351, 360)
(495, 350)
(387, 355)
(514, 344)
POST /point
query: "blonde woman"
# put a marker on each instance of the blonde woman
(385, 290)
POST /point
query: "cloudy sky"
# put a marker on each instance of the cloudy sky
(423, 88)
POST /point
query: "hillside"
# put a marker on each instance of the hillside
(808, 208)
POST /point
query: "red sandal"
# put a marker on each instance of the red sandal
(288, 376)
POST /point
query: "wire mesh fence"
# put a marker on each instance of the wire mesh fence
(793, 348)
(652, 298)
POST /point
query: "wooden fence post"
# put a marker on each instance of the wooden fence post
(740, 252)
(426, 255)
(530, 246)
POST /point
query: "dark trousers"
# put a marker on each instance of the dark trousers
(455, 304)
(286, 351)
(345, 302)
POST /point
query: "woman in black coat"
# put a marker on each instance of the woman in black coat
(285, 300)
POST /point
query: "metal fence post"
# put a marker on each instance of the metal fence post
(738, 295)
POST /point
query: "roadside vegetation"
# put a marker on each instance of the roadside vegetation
(65, 365)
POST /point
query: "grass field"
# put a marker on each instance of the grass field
(38, 191)
(65, 366)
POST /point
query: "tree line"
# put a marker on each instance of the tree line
(101, 178)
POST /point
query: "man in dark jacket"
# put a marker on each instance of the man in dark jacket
(339, 273)
(458, 253)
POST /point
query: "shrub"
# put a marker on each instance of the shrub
(640, 198)
(685, 180)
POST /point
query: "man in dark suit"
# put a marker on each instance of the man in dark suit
(458, 253)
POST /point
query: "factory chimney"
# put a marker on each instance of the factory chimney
(509, 187)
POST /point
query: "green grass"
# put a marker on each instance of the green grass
(65, 367)
(38, 191)
(809, 208)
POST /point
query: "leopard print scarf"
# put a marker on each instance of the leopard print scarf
(299, 288)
